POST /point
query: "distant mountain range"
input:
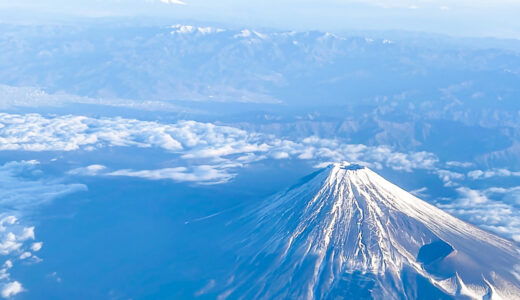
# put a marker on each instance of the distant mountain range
(407, 92)
(184, 62)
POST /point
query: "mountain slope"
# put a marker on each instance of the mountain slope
(347, 233)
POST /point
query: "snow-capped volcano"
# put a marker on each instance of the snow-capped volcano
(347, 233)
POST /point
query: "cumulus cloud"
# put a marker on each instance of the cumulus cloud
(25, 255)
(5, 221)
(36, 246)
(178, 2)
(4, 271)
(27, 234)
(318, 149)
(191, 141)
(225, 157)
(9, 243)
(459, 164)
(489, 209)
(14, 243)
(204, 174)
(33, 132)
(449, 177)
(11, 288)
(479, 174)
(22, 190)
(88, 170)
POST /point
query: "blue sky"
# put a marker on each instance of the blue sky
(468, 18)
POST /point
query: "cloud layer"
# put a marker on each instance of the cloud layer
(19, 194)
(495, 209)
(191, 141)
(21, 191)
(208, 153)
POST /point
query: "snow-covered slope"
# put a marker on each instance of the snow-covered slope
(347, 233)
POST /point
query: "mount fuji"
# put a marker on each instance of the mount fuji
(345, 232)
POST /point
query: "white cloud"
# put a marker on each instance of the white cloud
(9, 220)
(475, 174)
(27, 234)
(225, 154)
(19, 195)
(36, 246)
(206, 143)
(11, 288)
(314, 148)
(280, 155)
(479, 174)
(459, 164)
(12, 237)
(9, 243)
(88, 171)
(448, 177)
(488, 209)
(33, 132)
(204, 174)
(178, 2)
(25, 255)
(4, 271)
(14, 243)
(471, 197)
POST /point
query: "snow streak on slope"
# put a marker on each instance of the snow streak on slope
(346, 232)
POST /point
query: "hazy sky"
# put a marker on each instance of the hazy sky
(497, 18)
